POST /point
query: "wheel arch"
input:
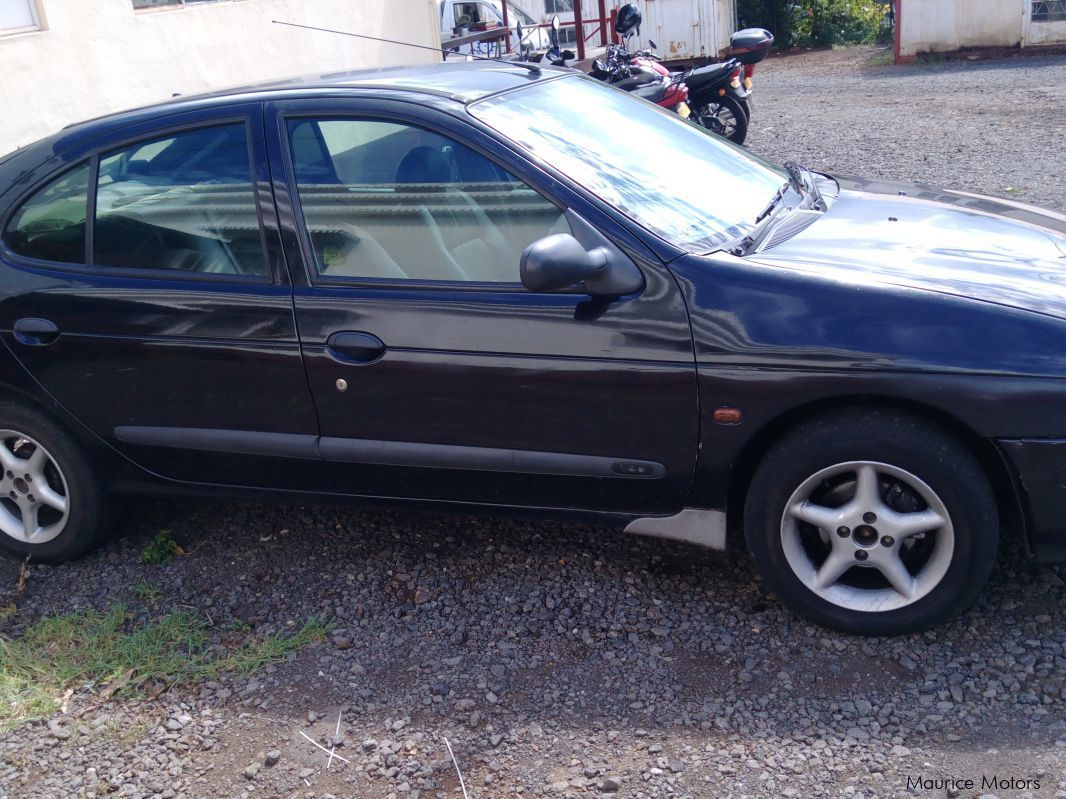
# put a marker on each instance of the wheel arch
(1009, 495)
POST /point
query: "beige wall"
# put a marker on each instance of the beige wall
(98, 56)
(938, 26)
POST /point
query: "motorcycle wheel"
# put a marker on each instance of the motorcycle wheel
(724, 116)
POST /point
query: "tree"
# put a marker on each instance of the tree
(815, 23)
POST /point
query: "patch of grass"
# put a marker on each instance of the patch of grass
(147, 591)
(271, 649)
(117, 654)
(160, 549)
(881, 58)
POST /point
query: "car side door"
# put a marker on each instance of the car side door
(436, 374)
(145, 295)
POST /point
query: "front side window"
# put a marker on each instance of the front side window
(683, 183)
(50, 225)
(185, 202)
(392, 201)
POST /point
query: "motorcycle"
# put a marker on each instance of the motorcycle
(645, 77)
(718, 95)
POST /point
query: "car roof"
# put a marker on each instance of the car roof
(457, 81)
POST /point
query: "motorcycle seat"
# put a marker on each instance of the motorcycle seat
(653, 92)
(709, 75)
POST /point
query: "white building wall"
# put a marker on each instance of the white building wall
(1046, 33)
(937, 26)
(93, 57)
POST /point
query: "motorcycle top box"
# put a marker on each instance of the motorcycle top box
(750, 46)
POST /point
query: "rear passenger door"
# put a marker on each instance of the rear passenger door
(435, 373)
(151, 302)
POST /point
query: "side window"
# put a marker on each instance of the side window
(184, 202)
(466, 14)
(51, 224)
(385, 200)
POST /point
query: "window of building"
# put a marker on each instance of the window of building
(1049, 10)
(50, 225)
(184, 202)
(391, 201)
(138, 4)
(17, 16)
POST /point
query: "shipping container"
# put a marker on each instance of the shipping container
(688, 30)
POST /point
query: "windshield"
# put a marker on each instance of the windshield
(683, 183)
(522, 15)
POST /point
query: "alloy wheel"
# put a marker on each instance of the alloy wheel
(34, 499)
(717, 119)
(867, 536)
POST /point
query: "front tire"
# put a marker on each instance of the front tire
(872, 522)
(724, 116)
(53, 506)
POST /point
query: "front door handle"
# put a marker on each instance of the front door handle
(352, 347)
(34, 332)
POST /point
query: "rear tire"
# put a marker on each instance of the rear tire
(53, 505)
(724, 116)
(872, 522)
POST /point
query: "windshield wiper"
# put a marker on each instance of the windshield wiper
(774, 202)
(802, 180)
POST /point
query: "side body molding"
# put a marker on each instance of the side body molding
(390, 453)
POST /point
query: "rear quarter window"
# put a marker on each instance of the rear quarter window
(50, 225)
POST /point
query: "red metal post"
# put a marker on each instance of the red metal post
(578, 20)
(603, 23)
(507, 27)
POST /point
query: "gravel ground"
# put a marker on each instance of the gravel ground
(995, 127)
(563, 660)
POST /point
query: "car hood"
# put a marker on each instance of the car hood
(950, 242)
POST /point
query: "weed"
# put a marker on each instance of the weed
(147, 591)
(160, 549)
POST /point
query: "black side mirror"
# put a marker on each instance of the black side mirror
(588, 257)
(652, 44)
(556, 262)
(553, 34)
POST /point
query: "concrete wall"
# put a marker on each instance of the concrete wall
(939, 26)
(936, 26)
(93, 57)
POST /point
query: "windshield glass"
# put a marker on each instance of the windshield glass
(676, 179)
(522, 15)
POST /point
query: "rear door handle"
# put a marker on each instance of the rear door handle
(354, 347)
(35, 332)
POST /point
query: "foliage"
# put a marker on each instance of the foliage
(160, 549)
(816, 23)
(117, 654)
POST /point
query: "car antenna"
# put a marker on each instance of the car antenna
(533, 68)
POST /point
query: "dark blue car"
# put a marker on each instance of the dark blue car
(497, 285)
